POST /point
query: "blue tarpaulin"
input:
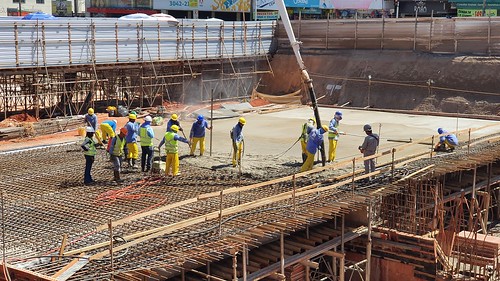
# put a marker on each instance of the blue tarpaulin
(38, 16)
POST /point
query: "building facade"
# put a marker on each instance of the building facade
(12, 7)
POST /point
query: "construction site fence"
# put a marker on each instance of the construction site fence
(435, 35)
(77, 41)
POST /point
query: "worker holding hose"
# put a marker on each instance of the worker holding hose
(237, 140)
(306, 129)
(313, 143)
(171, 147)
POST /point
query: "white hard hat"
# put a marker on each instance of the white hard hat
(148, 119)
(90, 130)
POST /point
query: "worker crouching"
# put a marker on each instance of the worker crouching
(447, 142)
(89, 148)
(314, 141)
(115, 149)
(171, 147)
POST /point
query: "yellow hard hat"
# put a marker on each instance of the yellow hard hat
(313, 120)
(174, 117)
(242, 121)
(90, 111)
(174, 128)
(132, 116)
(325, 127)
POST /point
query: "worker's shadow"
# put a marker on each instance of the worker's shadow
(292, 164)
(221, 166)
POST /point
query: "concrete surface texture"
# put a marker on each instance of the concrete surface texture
(268, 136)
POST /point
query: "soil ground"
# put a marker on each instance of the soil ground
(268, 136)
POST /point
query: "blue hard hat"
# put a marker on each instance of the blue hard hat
(200, 117)
(440, 130)
(339, 113)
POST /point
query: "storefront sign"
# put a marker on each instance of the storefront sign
(475, 13)
(271, 15)
(302, 3)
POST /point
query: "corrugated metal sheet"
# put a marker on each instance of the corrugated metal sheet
(82, 41)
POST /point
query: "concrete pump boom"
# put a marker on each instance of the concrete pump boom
(305, 76)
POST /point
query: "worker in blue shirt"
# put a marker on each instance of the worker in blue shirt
(174, 120)
(197, 134)
(314, 141)
(333, 135)
(91, 119)
(147, 135)
(108, 129)
(447, 142)
(238, 142)
(131, 138)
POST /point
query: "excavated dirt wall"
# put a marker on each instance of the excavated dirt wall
(399, 80)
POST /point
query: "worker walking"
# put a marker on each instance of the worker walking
(306, 129)
(238, 141)
(89, 147)
(147, 134)
(197, 134)
(447, 142)
(116, 150)
(333, 135)
(174, 120)
(131, 138)
(171, 147)
(108, 129)
(314, 141)
(369, 147)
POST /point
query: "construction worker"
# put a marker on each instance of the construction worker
(314, 141)
(447, 142)
(174, 120)
(131, 138)
(147, 134)
(369, 147)
(108, 129)
(238, 142)
(116, 147)
(333, 135)
(171, 147)
(197, 134)
(91, 119)
(89, 147)
(306, 129)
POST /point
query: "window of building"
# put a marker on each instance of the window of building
(40, 1)
(17, 1)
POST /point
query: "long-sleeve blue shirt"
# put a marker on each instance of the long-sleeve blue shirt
(315, 140)
(132, 132)
(110, 123)
(237, 133)
(172, 122)
(91, 120)
(149, 130)
(176, 137)
(198, 129)
(451, 138)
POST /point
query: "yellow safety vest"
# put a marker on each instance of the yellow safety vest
(170, 143)
(145, 139)
(119, 145)
(92, 151)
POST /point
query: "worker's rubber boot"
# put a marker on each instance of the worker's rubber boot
(133, 164)
(304, 158)
(117, 176)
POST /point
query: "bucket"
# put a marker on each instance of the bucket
(82, 131)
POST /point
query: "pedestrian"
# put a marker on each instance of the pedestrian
(333, 135)
(116, 150)
(197, 134)
(131, 138)
(171, 147)
(89, 147)
(238, 141)
(447, 142)
(147, 134)
(108, 129)
(174, 120)
(314, 141)
(306, 129)
(369, 147)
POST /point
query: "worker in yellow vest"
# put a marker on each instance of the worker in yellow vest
(90, 151)
(171, 147)
(146, 134)
(115, 149)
